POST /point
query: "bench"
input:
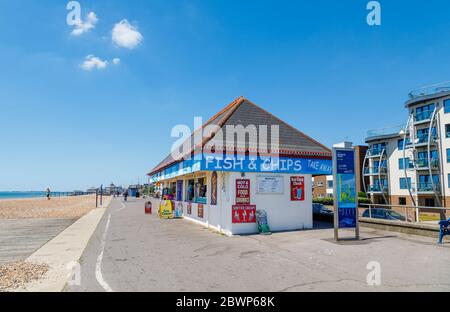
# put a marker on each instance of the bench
(444, 229)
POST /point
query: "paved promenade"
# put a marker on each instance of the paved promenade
(131, 251)
(20, 238)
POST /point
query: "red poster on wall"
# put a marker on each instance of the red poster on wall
(242, 191)
(244, 214)
(297, 188)
(189, 208)
(200, 211)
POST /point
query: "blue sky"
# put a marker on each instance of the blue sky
(315, 64)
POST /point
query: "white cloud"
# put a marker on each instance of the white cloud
(126, 35)
(92, 62)
(116, 61)
(82, 27)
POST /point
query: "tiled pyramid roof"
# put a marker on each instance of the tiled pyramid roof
(292, 142)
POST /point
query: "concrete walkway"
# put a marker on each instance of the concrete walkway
(20, 238)
(63, 253)
(131, 251)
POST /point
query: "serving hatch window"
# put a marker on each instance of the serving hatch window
(200, 190)
(190, 190)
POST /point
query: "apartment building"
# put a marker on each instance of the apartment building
(410, 164)
(323, 186)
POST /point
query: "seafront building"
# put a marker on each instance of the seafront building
(410, 164)
(224, 185)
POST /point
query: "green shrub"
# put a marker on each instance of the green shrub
(329, 201)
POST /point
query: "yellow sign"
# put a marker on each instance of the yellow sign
(166, 210)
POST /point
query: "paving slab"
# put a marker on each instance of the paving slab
(20, 238)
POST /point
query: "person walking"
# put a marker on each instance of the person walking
(48, 193)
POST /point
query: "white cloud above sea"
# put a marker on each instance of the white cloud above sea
(116, 61)
(126, 35)
(87, 25)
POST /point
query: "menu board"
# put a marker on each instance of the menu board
(297, 188)
(270, 185)
(242, 191)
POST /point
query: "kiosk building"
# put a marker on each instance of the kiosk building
(222, 184)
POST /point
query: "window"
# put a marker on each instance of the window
(377, 148)
(449, 180)
(425, 180)
(330, 184)
(422, 134)
(424, 112)
(200, 191)
(447, 131)
(173, 189)
(190, 191)
(448, 155)
(402, 201)
(180, 190)
(402, 162)
(403, 184)
(447, 106)
(401, 144)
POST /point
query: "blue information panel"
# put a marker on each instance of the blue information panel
(346, 188)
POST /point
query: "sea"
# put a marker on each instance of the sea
(18, 195)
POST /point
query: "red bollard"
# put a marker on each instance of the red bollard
(148, 208)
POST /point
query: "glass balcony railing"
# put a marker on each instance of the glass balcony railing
(422, 139)
(428, 187)
(375, 170)
(374, 151)
(377, 188)
(385, 131)
(423, 163)
(422, 116)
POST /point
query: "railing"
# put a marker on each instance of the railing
(404, 213)
(431, 89)
(375, 170)
(377, 188)
(385, 131)
(374, 151)
(422, 116)
(428, 187)
(423, 163)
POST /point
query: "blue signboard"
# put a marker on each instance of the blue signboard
(267, 164)
(346, 188)
(236, 163)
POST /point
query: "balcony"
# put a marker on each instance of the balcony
(422, 164)
(375, 171)
(377, 189)
(427, 188)
(384, 132)
(374, 152)
(423, 117)
(422, 140)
